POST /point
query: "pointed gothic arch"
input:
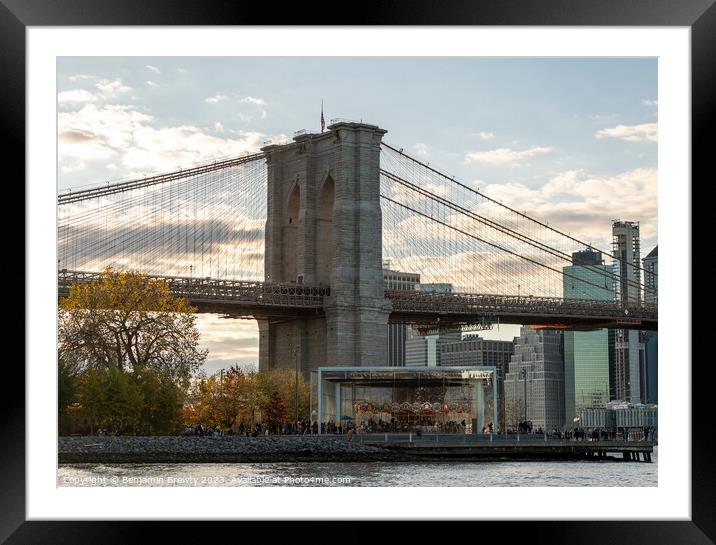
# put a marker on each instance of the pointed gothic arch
(324, 232)
(290, 235)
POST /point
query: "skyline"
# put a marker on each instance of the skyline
(564, 139)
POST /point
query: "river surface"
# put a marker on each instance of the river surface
(578, 473)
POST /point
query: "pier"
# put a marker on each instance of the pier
(512, 447)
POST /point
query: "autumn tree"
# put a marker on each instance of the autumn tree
(130, 322)
(284, 381)
(127, 349)
(275, 410)
(236, 395)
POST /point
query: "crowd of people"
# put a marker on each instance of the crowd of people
(305, 427)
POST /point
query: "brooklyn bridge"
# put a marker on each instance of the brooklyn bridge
(297, 237)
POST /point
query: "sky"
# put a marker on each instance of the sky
(573, 140)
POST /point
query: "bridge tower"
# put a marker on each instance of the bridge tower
(324, 227)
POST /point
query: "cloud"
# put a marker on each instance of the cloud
(651, 103)
(152, 69)
(506, 156)
(82, 77)
(151, 83)
(98, 132)
(73, 167)
(576, 202)
(152, 238)
(645, 132)
(421, 149)
(482, 135)
(130, 138)
(215, 99)
(585, 204)
(166, 148)
(604, 118)
(229, 341)
(111, 88)
(218, 126)
(255, 101)
(76, 96)
(74, 136)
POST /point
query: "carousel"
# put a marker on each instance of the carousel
(405, 399)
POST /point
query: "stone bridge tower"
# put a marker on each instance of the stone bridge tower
(324, 227)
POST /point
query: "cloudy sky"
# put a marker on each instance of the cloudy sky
(573, 140)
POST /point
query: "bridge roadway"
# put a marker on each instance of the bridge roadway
(240, 299)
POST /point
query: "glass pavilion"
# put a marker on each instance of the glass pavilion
(406, 399)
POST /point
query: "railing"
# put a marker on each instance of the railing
(426, 439)
(221, 291)
(492, 304)
(403, 301)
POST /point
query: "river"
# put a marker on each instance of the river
(578, 473)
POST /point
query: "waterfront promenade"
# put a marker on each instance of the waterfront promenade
(338, 448)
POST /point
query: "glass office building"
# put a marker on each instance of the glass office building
(588, 355)
(393, 399)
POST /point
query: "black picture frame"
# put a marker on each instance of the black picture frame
(16, 15)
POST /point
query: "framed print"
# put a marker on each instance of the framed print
(413, 259)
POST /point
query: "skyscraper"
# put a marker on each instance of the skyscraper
(398, 333)
(425, 349)
(651, 338)
(474, 350)
(534, 384)
(588, 355)
(651, 276)
(629, 372)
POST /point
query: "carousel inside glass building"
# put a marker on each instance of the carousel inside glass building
(404, 399)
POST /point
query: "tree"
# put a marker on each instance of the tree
(111, 399)
(275, 411)
(130, 322)
(514, 413)
(284, 380)
(67, 376)
(237, 395)
(163, 399)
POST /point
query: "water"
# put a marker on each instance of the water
(579, 473)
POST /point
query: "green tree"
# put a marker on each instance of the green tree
(111, 399)
(67, 376)
(163, 399)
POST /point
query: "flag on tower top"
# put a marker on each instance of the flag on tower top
(323, 122)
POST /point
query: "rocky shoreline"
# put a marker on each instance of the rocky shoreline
(232, 448)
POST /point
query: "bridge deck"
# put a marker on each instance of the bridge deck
(260, 299)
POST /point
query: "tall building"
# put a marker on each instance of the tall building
(474, 350)
(651, 355)
(588, 355)
(629, 364)
(435, 287)
(534, 384)
(398, 333)
(651, 276)
(398, 280)
(651, 338)
(627, 259)
(426, 349)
